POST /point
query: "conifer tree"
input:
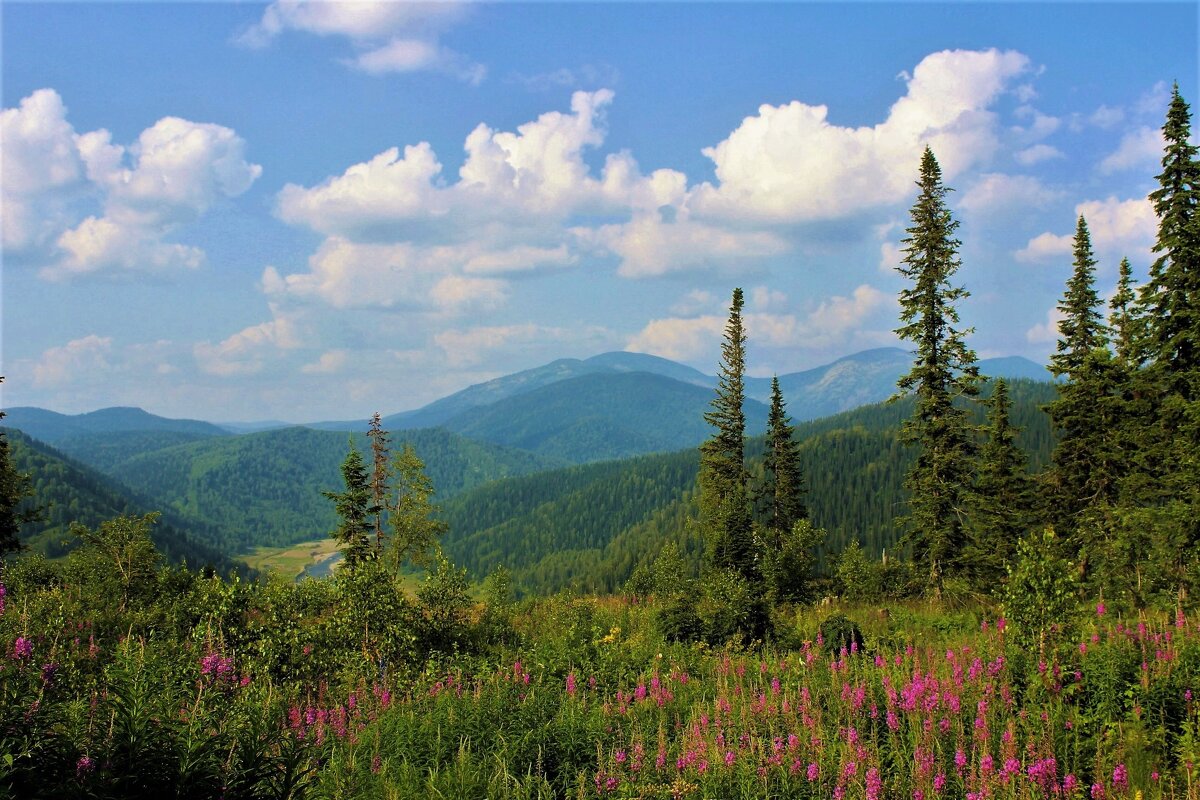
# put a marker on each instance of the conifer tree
(1172, 294)
(724, 497)
(381, 474)
(353, 509)
(1125, 322)
(1081, 334)
(1003, 495)
(784, 485)
(1081, 329)
(1169, 471)
(944, 371)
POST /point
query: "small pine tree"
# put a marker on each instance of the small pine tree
(353, 509)
(1082, 328)
(381, 474)
(783, 487)
(945, 371)
(1003, 496)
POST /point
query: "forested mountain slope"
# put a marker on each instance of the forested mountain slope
(602, 416)
(69, 492)
(265, 488)
(588, 526)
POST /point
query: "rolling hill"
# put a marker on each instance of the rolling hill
(69, 492)
(53, 428)
(265, 488)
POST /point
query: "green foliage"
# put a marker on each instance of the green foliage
(1040, 598)
(15, 487)
(412, 514)
(790, 560)
(944, 371)
(839, 632)
(444, 604)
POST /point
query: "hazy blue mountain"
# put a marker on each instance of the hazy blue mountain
(1014, 367)
(601, 416)
(254, 426)
(53, 428)
(849, 382)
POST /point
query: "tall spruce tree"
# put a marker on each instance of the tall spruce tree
(724, 496)
(939, 481)
(1169, 471)
(1001, 512)
(784, 486)
(353, 508)
(1081, 329)
(1172, 294)
(1083, 474)
(381, 473)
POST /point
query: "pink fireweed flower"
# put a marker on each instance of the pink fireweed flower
(874, 784)
(1001, 624)
(84, 765)
(1120, 778)
(939, 782)
(813, 773)
(1070, 782)
(1097, 791)
(571, 684)
(620, 756)
(22, 648)
(729, 758)
(2, 594)
(1100, 609)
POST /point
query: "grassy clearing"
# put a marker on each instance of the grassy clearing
(290, 562)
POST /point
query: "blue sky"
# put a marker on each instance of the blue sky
(318, 210)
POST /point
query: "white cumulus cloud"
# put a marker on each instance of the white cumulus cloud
(1141, 149)
(789, 163)
(139, 195)
(1118, 228)
(389, 36)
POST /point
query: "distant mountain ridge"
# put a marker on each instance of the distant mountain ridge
(849, 382)
(53, 428)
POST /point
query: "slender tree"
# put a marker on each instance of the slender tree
(784, 479)
(1125, 322)
(1080, 476)
(1081, 329)
(413, 515)
(381, 474)
(724, 496)
(944, 371)
(354, 510)
(1002, 509)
